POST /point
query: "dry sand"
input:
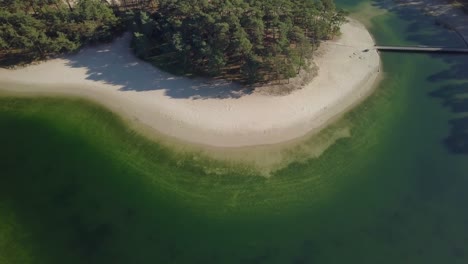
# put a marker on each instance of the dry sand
(215, 113)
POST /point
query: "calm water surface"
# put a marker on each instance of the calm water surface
(77, 186)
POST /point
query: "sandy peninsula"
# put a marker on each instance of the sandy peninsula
(209, 112)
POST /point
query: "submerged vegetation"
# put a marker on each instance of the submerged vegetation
(245, 40)
(32, 30)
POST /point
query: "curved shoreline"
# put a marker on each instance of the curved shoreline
(215, 113)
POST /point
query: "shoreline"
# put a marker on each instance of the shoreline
(207, 112)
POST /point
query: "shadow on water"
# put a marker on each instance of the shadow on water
(423, 28)
(420, 29)
(115, 64)
(455, 96)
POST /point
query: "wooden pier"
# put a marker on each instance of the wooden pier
(425, 49)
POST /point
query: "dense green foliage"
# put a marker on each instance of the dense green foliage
(39, 28)
(244, 40)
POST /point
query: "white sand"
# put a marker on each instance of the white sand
(208, 112)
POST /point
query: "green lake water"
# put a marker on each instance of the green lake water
(78, 186)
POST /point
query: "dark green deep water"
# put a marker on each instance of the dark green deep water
(78, 186)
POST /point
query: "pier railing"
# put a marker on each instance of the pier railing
(426, 49)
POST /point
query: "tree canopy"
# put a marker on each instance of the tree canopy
(38, 28)
(245, 40)
(248, 41)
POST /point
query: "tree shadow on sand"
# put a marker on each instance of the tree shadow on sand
(115, 64)
(452, 82)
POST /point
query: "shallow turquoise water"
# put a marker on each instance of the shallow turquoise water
(76, 186)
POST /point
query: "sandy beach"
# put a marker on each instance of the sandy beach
(209, 112)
